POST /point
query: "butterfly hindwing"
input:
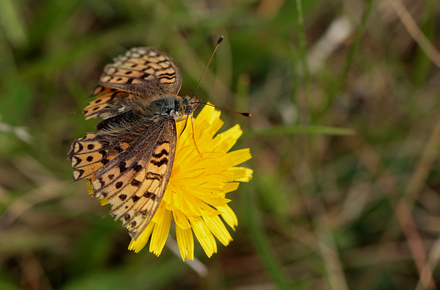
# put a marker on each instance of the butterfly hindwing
(134, 182)
(143, 70)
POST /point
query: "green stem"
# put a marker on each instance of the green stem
(262, 245)
(303, 57)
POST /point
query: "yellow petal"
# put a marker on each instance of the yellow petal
(229, 216)
(241, 173)
(217, 227)
(139, 244)
(239, 156)
(160, 234)
(181, 220)
(185, 241)
(230, 186)
(204, 236)
(227, 139)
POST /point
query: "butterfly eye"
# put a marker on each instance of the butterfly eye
(189, 109)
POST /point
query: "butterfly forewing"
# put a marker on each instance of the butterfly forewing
(143, 70)
(90, 153)
(135, 181)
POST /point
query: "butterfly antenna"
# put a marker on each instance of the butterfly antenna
(206, 68)
(235, 112)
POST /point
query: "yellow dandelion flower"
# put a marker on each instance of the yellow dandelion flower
(195, 197)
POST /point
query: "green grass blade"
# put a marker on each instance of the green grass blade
(299, 129)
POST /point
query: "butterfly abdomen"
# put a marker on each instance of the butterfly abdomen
(120, 120)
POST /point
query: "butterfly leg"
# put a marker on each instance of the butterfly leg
(193, 136)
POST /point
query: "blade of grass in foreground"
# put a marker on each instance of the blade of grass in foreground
(261, 243)
(304, 117)
(13, 25)
(298, 129)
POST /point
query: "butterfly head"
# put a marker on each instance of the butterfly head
(189, 104)
(185, 107)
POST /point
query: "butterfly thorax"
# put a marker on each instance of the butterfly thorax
(173, 106)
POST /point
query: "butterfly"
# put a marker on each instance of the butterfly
(130, 158)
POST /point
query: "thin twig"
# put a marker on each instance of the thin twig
(415, 32)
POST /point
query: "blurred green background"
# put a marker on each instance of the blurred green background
(345, 138)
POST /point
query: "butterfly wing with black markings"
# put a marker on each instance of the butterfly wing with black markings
(134, 182)
(90, 153)
(145, 71)
(142, 72)
(109, 102)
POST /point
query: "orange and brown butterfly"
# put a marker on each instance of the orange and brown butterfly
(129, 160)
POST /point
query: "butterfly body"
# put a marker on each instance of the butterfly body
(129, 160)
(139, 110)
